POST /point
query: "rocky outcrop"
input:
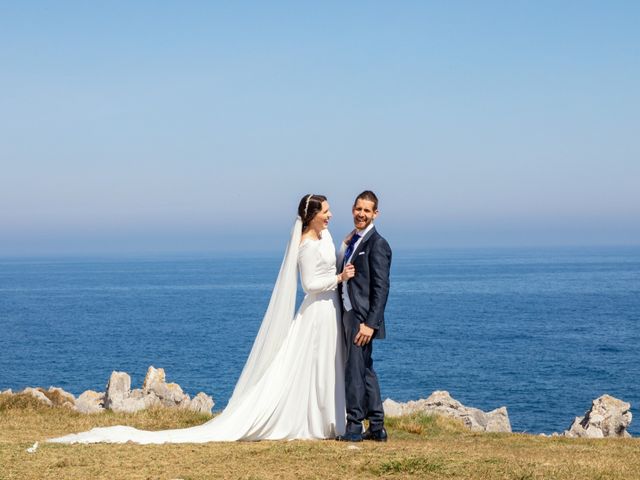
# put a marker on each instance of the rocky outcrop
(54, 397)
(441, 403)
(607, 417)
(154, 392)
(120, 398)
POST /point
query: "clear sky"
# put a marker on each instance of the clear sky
(154, 126)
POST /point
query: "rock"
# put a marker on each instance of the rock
(498, 420)
(118, 391)
(608, 417)
(60, 397)
(134, 402)
(154, 392)
(170, 394)
(441, 403)
(34, 392)
(150, 399)
(119, 397)
(90, 401)
(129, 405)
(154, 375)
(201, 403)
(396, 409)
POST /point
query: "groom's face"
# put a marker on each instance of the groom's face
(363, 213)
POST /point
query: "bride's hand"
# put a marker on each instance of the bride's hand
(348, 272)
(347, 239)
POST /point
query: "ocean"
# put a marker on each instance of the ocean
(541, 331)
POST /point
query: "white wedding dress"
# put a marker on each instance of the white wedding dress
(292, 386)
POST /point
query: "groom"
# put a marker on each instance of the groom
(363, 300)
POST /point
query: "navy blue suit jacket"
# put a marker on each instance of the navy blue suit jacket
(369, 289)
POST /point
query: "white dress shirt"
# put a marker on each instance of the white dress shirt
(346, 301)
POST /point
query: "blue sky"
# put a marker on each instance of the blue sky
(197, 126)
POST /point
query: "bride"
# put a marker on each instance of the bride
(292, 385)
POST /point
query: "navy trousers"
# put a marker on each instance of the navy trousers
(361, 382)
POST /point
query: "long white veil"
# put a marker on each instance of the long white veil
(233, 423)
(276, 321)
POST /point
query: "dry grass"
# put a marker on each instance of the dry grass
(419, 447)
(54, 396)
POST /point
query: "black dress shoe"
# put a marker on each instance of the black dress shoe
(376, 436)
(349, 437)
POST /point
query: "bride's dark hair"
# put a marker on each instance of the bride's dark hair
(309, 206)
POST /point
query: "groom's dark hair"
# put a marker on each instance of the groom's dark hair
(367, 195)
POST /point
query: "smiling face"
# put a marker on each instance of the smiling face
(321, 219)
(363, 213)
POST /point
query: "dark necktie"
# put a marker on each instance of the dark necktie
(349, 250)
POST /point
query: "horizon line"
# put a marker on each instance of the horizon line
(271, 251)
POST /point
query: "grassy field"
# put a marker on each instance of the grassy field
(418, 447)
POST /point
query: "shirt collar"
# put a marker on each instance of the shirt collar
(362, 233)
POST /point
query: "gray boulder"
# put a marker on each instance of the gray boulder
(118, 389)
(118, 395)
(201, 403)
(155, 391)
(130, 405)
(90, 401)
(441, 403)
(607, 417)
(149, 399)
(170, 394)
(154, 376)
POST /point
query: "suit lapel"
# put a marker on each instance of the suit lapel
(362, 243)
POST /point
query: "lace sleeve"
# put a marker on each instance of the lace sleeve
(312, 281)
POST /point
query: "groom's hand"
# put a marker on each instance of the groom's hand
(364, 335)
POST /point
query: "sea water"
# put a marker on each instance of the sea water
(540, 331)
